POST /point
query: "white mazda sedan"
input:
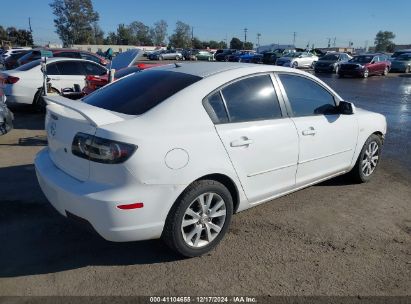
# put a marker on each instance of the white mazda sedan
(174, 152)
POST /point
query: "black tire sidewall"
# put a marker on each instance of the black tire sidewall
(172, 232)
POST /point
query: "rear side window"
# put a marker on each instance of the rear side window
(140, 92)
(215, 108)
(250, 99)
(307, 97)
(71, 68)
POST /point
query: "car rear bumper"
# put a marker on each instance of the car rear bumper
(97, 203)
(351, 72)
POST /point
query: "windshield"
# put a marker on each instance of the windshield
(140, 92)
(362, 59)
(28, 66)
(330, 57)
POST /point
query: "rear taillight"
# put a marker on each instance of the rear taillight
(101, 150)
(11, 80)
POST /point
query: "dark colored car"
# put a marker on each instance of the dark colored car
(331, 62)
(401, 63)
(68, 53)
(366, 65)
(189, 54)
(399, 53)
(224, 56)
(11, 62)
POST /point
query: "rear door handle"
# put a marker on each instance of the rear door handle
(309, 131)
(243, 141)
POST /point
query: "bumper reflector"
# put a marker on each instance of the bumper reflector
(131, 206)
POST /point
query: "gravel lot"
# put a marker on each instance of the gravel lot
(336, 238)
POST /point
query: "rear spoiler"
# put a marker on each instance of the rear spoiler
(96, 116)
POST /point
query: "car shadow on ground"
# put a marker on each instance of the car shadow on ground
(25, 117)
(36, 239)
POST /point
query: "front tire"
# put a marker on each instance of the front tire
(385, 73)
(199, 219)
(366, 73)
(368, 160)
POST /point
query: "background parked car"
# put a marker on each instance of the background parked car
(7, 53)
(401, 63)
(331, 62)
(22, 85)
(398, 53)
(224, 55)
(11, 62)
(366, 65)
(6, 117)
(166, 55)
(67, 53)
(298, 60)
(204, 55)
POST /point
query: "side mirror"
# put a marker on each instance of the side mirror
(345, 108)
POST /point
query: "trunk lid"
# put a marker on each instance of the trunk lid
(64, 119)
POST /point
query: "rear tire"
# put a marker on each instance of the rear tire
(368, 160)
(192, 225)
(407, 70)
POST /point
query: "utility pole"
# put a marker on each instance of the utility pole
(258, 41)
(192, 36)
(294, 36)
(30, 29)
(329, 42)
(335, 40)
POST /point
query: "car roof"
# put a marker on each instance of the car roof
(207, 69)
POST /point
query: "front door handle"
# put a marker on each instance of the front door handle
(309, 131)
(243, 141)
(55, 78)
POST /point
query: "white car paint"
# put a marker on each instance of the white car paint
(24, 90)
(178, 144)
(303, 60)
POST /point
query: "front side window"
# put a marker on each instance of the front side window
(306, 97)
(94, 69)
(250, 99)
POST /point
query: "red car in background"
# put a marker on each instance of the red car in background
(366, 65)
(95, 82)
(68, 53)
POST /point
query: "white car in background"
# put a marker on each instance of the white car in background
(7, 53)
(298, 60)
(22, 85)
(174, 151)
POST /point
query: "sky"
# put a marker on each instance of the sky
(312, 21)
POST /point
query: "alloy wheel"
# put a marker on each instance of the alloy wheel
(370, 159)
(203, 220)
(366, 73)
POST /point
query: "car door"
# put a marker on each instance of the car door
(260, 139)
(71, 73)
(326, 140)
(374, 67)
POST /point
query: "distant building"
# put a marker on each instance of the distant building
(94, 48)
(272, 47)
(350, 50)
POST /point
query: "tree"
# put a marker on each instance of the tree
(111, 38)
(159, 32)
(124, 35)
(222, 45)
(182, 36)
(197, 43)
(213, 44)
(16, 36)
(236, 43)
(140, 33)
(74, 20)
(98, 34)
(248, 45)
(383, 41)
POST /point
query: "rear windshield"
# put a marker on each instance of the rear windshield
(124, 72)
(29, 66)
(140, 92)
